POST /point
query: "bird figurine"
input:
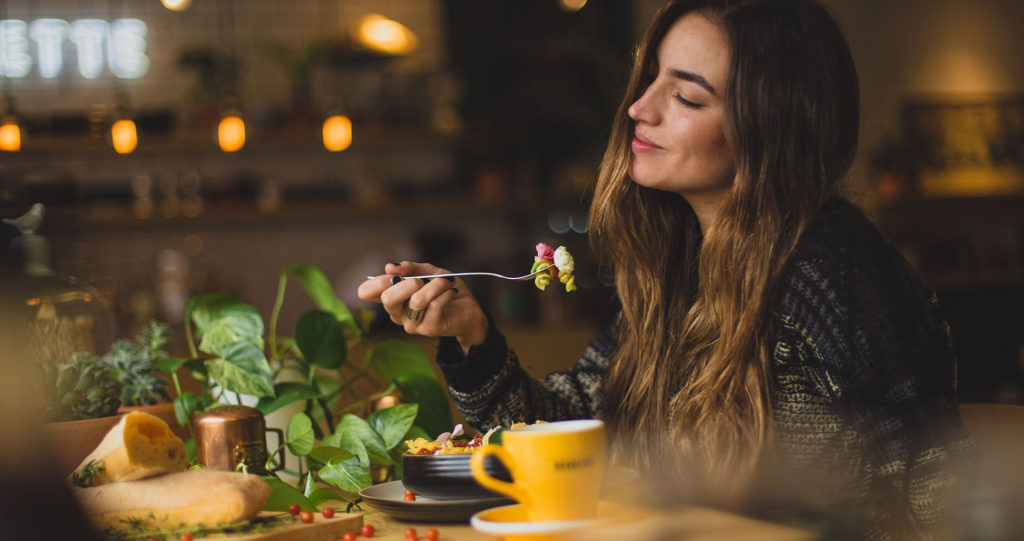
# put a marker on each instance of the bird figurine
(29, 222)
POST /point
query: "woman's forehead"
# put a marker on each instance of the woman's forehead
(698, 45)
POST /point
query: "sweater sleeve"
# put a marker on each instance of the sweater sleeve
(875, 334)
(489, 387)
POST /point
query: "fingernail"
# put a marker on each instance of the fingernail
(395, 279)
(450, 278)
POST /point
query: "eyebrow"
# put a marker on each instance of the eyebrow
(693, 78)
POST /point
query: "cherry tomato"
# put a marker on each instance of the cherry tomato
(185, 537)
(432, 534)
(306, 516)
(349, 536)
(410, 532)
(328, 512)
(366, 530)
(294, 509)
(410, 496)
(155, 538)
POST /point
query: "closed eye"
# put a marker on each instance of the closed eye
(693, 105)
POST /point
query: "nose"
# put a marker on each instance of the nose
(642, 109)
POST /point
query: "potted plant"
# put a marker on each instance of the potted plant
(331, 368)
(80, 398)
(135, 365)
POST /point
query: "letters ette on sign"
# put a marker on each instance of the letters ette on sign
(122, 44)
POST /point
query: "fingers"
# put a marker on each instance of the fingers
(372, 288)
(429, 321)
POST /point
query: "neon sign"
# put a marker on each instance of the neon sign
(121, 43)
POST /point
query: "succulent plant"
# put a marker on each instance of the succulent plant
(134, 365)
(82, 388)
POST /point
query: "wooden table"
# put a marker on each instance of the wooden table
(691, 523)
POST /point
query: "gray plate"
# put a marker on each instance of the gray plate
(389, 498)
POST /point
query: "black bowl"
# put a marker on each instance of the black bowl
(448, 477)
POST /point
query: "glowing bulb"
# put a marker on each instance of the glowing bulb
(337, 133)
(10, 135)
(176, 5)
(572, 5)
(124, 136)
(231, 133)
(383, 35)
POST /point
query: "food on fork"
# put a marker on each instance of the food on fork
(561, 266)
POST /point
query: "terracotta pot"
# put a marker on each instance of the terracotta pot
(72, 441)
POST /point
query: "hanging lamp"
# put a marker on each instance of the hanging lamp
(337, 133)
(10, 130)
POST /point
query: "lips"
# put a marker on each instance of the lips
(641, 144)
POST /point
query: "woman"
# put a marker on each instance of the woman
(768, 334)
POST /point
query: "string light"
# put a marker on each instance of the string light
(378, 33)
(124, 136)
(337, 133)
(231, 132)
(176, 5)
(10, 131)
(10, 134)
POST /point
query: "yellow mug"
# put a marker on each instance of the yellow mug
(556, 468)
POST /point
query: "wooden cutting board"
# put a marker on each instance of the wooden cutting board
(321, 529)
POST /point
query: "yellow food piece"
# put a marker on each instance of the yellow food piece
(175, 500)
(139, 446)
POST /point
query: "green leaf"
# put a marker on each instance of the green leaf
(283, 495)
(319, 289)
(321, 338)
(393, 423)
(348, 475)
(286, 393)
(358, 437)
(327, 385)
(394, 357)
(310, 485)
(170, 366)
(299, 434)
(323, 495)
(184, 406)
(202, 310)
(235, 323)
(327, 453)
(435, 414)
(247, 370)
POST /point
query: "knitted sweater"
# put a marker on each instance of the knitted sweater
(863, 391)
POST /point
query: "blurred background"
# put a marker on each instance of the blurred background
(183, 147)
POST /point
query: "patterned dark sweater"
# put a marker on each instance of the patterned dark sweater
(866, 423)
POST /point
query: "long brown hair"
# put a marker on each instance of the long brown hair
(689, 384)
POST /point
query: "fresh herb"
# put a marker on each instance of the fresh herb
(141, 527)
(88, 474)
(135, 365)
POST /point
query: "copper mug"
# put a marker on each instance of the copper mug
(234, 437)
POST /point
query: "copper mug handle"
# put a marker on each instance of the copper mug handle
(281, 448)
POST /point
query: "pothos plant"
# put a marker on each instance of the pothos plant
(319, 366)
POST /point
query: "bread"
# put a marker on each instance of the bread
(176, 500)
(139, 446)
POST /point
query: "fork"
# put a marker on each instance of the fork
(427, 277)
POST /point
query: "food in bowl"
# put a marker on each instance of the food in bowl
(439, 469)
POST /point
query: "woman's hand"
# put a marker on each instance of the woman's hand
(440, 307)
